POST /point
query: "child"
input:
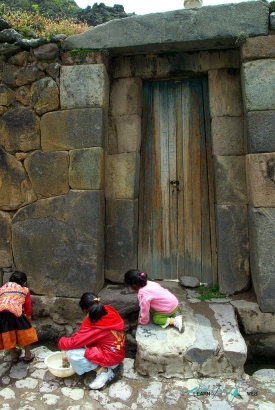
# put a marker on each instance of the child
(15, 316)
(99, 344)
(155, 299)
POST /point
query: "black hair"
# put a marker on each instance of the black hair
(91, 302)
(135, 277)
(18, 277)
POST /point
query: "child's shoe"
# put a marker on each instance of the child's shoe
(102, 379)
(178, 323)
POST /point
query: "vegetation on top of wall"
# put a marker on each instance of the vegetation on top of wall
(48, 8)
(65, 9)
(34, 25)
(272, 6)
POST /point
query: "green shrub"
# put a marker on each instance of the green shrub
(210, 293)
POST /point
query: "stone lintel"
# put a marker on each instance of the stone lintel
(185, 29)
(175, 64)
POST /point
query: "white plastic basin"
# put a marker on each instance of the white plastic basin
(54, 363)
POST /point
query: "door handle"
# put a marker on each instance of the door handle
(175, 183)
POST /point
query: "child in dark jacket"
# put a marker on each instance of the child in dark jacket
(99, 344)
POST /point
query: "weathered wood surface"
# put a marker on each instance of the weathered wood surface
(176, 221)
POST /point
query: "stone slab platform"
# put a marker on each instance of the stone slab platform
(211, 345)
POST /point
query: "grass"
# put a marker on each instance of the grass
(34, 25)
(210, 293)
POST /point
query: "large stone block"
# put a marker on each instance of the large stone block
(28, 75)
(45, 96)
(126, 97)
(19, 130)
(60, 310)
(230, 180)
(121, 238)
(123, 176)
(9, 75)
(259, 85)
(261, 179)
(232, 248)
(262, 250)
(87, 167)
(124, 134)
(59, 243)
(15, 188)
(5, 240)
(154, 66)
(261, 322)
(123, 299)
(258, 47)
(225, 93)
(48, 173)
(7, 96)
(260, 131)
(227, 136)
(72, 129)
(204, 28)
(84, 86)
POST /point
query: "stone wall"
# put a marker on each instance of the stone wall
(53, 131)
(258, 83)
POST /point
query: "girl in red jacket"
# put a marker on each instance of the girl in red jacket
(99, 344)
(15, 316)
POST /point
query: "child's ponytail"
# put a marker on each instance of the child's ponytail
(91, 303)
(135, 277)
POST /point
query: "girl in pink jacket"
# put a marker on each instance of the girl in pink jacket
(154, 299)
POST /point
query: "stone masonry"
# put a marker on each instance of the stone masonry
(70, 136)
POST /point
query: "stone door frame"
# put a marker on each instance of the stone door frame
(123, 160)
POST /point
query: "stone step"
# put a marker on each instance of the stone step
(210, 346)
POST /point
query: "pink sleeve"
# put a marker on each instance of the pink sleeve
(144, 304)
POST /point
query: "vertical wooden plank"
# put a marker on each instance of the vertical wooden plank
(187, 172)
(195, 194)
(146, 184)
(172, 228)
(157, 190)
(181, 132)
(205, 205)
(211, 276)
(164, 176)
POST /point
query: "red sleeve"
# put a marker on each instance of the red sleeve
(79, 339)
(27, 307)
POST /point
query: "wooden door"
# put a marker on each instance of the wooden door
(176, 212)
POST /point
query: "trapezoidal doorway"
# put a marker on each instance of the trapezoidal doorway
(176, 207)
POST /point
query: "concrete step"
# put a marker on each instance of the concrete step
(210, 346)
